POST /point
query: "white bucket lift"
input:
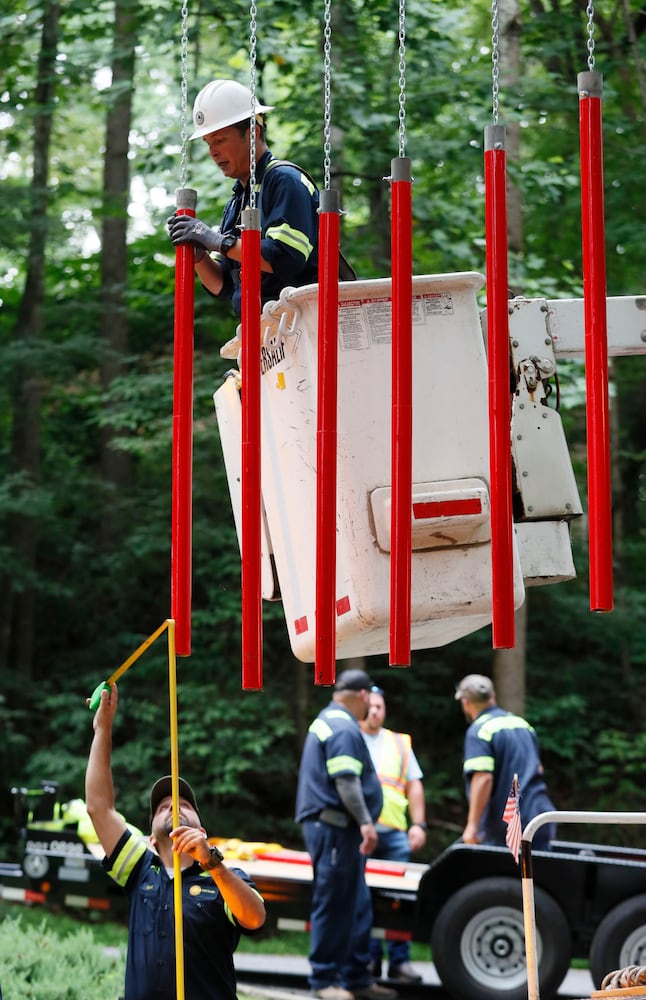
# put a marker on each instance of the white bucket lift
(451, 535)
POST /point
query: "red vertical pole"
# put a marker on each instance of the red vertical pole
(182, 472)
(326, 438)
(502, 561)
(402, 411)
(590, 86)
(251, 491)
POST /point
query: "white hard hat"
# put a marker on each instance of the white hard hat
(222, 103)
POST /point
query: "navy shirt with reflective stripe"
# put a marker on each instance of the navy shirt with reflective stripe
(288, 203)
(211, 932)
(505, 744)
(334, 748)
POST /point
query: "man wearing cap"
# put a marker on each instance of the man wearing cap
(401, 782)
(497, 746)
(218, 903)
(287, 199)
(338, 800)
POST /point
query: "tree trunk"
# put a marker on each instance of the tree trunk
(509, 664)
(18, 609)
(115, 464)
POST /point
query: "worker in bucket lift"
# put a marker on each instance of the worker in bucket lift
(287, 198)
(497, 746)
(218, 903)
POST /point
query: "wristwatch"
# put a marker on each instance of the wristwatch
(228, 242)
(424, 826)
(215, 858)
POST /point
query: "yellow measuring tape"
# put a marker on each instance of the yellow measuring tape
(174, 761)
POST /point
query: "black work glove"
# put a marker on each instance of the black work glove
(185, 229)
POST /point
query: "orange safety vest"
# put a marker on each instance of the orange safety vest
(392, 772)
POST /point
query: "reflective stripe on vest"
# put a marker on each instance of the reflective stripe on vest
(393, 769)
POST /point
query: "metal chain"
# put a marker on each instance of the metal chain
(184, 95)
(590, 12)
(327, 100)
(402, 78)
(253, 37)
(495, 58)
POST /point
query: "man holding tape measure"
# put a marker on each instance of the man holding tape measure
(218, 903)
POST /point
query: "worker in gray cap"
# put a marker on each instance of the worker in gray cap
(497, 746)
(338, 801)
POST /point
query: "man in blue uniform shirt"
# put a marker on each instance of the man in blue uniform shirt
(338, 800)
(498, 745)
(287, 198)
(218, 903)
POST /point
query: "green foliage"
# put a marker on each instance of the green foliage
(37, 963)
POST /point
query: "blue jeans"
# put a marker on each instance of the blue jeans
(341, 914)
(392, 845)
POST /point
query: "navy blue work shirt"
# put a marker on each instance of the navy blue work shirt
(334, 748)
(505, 744)
(288, 203)
(211, 932)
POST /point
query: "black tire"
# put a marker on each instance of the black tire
(620, 939)
(478, 942)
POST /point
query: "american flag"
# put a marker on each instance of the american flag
(511, 816)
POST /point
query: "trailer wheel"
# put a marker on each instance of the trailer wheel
(478, 942)
(620, 939)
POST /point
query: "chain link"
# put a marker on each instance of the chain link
(253, 37)
(495, 59)
(183, 95)
(402, 78)
(327, 100)
(590, 13)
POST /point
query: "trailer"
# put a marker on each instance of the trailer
(590, 900)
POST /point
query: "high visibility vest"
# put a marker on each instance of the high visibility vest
(392, 771)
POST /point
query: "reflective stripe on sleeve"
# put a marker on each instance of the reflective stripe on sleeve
(495, 725)
(479, 764)
(344, 764)
(321, 730)
(131, 852)
(292, 238)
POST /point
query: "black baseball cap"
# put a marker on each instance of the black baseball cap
(163, 788)
(353, 680)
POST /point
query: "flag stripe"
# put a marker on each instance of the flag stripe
(511, 816)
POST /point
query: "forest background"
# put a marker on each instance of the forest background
(89, 159)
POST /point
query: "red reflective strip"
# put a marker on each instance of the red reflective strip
(398, 936)
(376, 869)
(343, 605)
(289, 857)
(31, 896)
(300, 625)
(98, 904)
(446, 508)
(303, 858)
